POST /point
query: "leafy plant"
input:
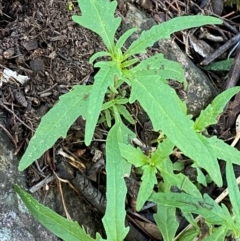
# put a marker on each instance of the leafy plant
(70, 6)
(231, 3)
(148, 84)
(223, 65)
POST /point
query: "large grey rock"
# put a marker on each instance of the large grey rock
(200, 91)
(16, 223)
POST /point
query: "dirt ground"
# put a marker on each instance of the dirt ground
(39, 41)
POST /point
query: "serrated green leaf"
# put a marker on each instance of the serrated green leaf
(214, 161)
(224, 151)
(124, 112)
(166, 221)
(164, 30)
(148, 181)
(234, 193)
(209, 115)
(117, 116)
(107, 105)
(185, 184)
(121, 101)
(124, 37)
(101, 119)
(189, 217)
(189, 235)
(114, 218)
(98, 16)
(158, 65)
(179, 180)
(219, 234)
(113, 89)
(102, 80)
(223, 65)
(128, 63)
(97, 55)
(166, 167)
(133, 155)
(163, 151)
(124, 78)
(56, 123)
(206, 207)
(178, 166)
(108, 118)
(61, 227)
(161, 102)
(200, 176)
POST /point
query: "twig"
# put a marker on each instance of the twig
(234, 72)
(5, 107)
(9, 135)
(46, 180)
(44, 91)
(221, 50)
(59, 180)
(217, 200)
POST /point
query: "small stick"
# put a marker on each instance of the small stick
(59, 180)
(40, 184)
(9, 135)
(44, 91)
(5, 107)
(221, 50)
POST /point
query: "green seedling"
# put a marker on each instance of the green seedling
(148, 83)
(223, 65)
(70, 6)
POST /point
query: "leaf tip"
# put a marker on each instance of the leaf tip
(87, 140)
(21, 167)
(23, 164)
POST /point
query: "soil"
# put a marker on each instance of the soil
(39, 40)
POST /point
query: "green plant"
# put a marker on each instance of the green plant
(232, 2)
(70, 6)
(223, 65)
(148, 84)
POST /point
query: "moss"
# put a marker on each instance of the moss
(232, 2)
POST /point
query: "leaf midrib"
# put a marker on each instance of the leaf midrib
(177, 124)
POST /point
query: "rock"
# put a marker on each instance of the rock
(16, 223)
(200, 91)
